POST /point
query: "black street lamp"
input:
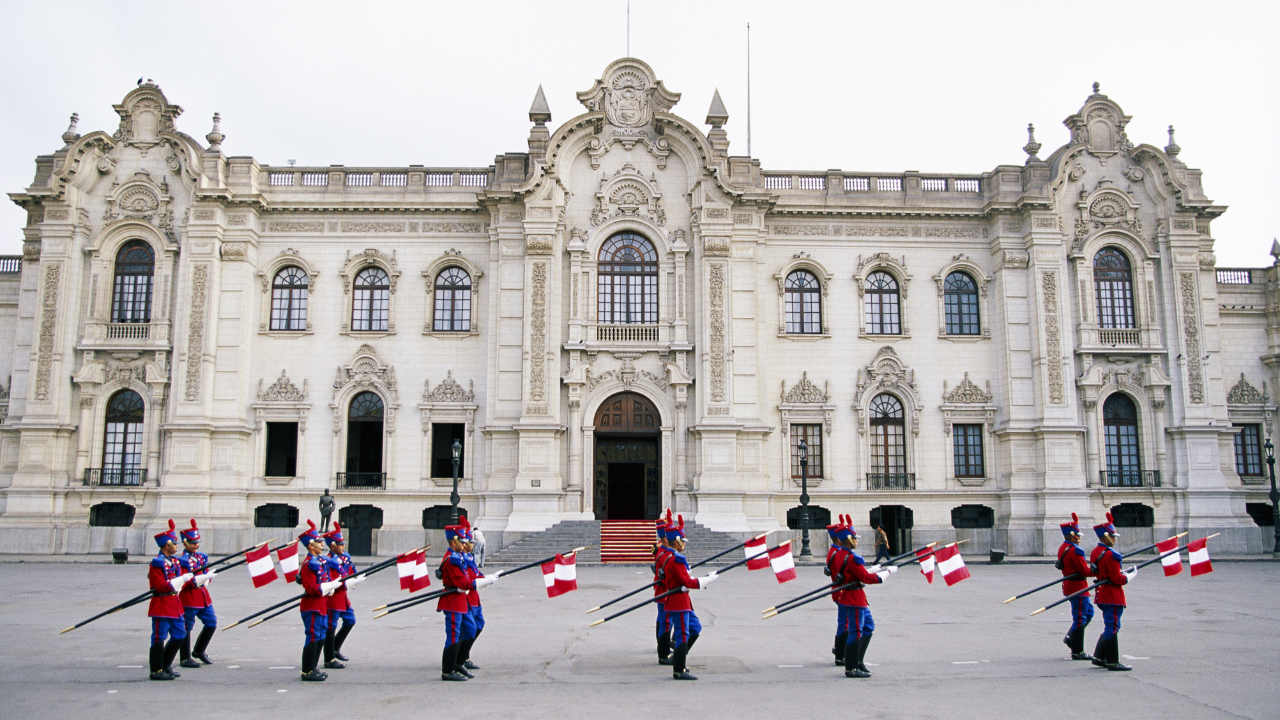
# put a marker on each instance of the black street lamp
(804, 499)
(1275, 498)
(453, 496)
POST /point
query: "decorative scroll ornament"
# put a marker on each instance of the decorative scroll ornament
(628, 194)
(1242, 393)
(449, 391)
(886, 372)
(140, 198)
(1106, 208)
(1100, 126)
(282, 390)
(805, 391)
(967, 393)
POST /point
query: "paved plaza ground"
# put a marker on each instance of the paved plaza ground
(1203, 648)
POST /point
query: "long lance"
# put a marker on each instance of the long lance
(697, 564)
(1155, 559)
(419, 600)
(295, 598)
(414, 598)
(655, 598)
(147, 595)
(828, 586)
(501, 573)
(1077, 576)
(238, 563)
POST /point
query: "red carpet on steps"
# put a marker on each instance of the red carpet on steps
(626, 541)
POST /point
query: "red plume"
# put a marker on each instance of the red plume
(311, 524)
(1074, 519)
(668, 515)
(172, 525)
(1109, 518)
(681, 521)
(193, 524)
(336, 526)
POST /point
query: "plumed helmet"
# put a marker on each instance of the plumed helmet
(168, 536)
(310, 535)
(335, 535)
(191, 534)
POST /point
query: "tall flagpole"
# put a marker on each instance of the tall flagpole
(748, 89)
(628, 28)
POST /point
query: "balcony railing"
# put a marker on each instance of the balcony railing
(1131, 479)
(631, 333)
(1126, 336)
(891, 481)
(1238, 276)
(362, 480)
(114, 477)
(127, 333)
(10, 264)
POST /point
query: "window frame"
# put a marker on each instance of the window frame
(292, 291)
(811, 433)
(645, 279)
(803, 302)
(889, 422)
(874, 310)
(452, 299)
(1112, 312)
(975, 439)
(1240, 444)
(124, 438)
(366, 311)
(954, 305)
(1127, 444)
(133, 288)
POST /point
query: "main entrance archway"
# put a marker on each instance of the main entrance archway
(628, 475)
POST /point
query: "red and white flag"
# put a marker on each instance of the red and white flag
(1198, 554)
(1172, 563)
(404, 568)
(261, 570)
(783, 565)
(757, 554)
(288, 557)
(951, 565)
(421, 576)
(927, 563)
(560, 575)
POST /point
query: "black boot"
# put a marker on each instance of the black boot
(157, 663)
(449, 664)
(852, 660)
(1113, 655)
(664, 649)
(311, 658)
(1099, 652)
(337, 642)
(466, 658)
(202, 644)
(679, 668)
(170, 653)
(464, 654)
(1077, 646)
(184, 652)
(838, 648)
(329, 661)
(862, 653)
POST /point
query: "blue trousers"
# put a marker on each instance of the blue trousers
(1081, 612)
(1111, 620)
(458, 626)
(856, 622)
(162, 628)
(347, 616)
(477, 619)
(664, 622)
(683, 624)
(316, 625)
(207, 616)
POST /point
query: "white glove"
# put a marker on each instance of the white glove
(883, 575)
(874, 569)
(703, 582)
(891, 569)
(205, 579)
(1131, 573)
(179, 581)
(486, 581)
(327, 588)
(354, 581)
(497, 575)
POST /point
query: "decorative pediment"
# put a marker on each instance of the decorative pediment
(370, 256)
(140, 198)
(628, 94)
(886, 372)
(1242, 393)
(882, 261)
(1099, 126)
(366, 371)
(628, 194)
(449, 391)
(145, 113)
(805, 391)
(966, 393)
(1106, 208)
(282, 390)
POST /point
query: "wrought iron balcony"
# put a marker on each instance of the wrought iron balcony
(1131, 479)
(363, 480)
(115, 477)
(891, 481)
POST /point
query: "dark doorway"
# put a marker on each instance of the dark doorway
(897, 521)
(626, 491)
(443, 436)
(358, 524)
(364, 441)
(282, 450)
(628, 475)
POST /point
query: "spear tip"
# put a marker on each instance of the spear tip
(380, 607)
(375, 617)
(257, 622)
(1182, 534)
(228, 627)
(593, 610)
(1006, 602)
(595, 623)
(1038, 611)
(768, 610)
(769, 615)
(73, 627)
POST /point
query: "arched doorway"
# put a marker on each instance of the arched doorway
(628, 475)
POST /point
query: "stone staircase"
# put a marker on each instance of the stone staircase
(626, 541)
(568, 535)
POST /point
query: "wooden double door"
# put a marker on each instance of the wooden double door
(627, 459)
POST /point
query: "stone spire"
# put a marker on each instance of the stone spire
(215, 136)
(539, 115)
(717, 116)
(1172, 148)
(71, 135)
(1032, 147)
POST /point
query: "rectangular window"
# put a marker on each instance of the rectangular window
(443, 436)
(371, 309)
(1248, 451)
(282, 449)
(812, 436)
(967, 441)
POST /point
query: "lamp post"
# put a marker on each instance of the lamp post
(453, 496)
(1275, 497)
(804, 499)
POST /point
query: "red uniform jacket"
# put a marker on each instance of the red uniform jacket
(314, 571)
(340, 566)
(454, 570)
(1071, 556)
(192, 596)
(473, 573)
(164, 601)
(855, 568)
(1095, 553)
(675, 574)
(1109, 569)
(835, 563)
(659, 558)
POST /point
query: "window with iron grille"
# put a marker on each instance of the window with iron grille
(439, 517)
(275, 515)
(452, 301)
(960, 296)
(883, 307)
(1248, 450)
(289, 299)
(972, 517)
(371, 303)
(1134, 515)
(1120, 422)
(888, 440)
(967, 443)
(122, 449)
(1262, 513)
(803, 303)
(627, 281)
(131, 298)
(112, 514)
(812, 436)
(1113, 284)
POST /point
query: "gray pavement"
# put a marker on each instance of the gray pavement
(1203, 647)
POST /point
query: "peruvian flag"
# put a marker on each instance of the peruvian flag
(261, 570)
(404, 568)
(757, 554)
(951, 565)
(783, 565)
(927, 563)
(421, 577)
(560, 575)
(1198, 554)
(288, 557)
(1172, 563)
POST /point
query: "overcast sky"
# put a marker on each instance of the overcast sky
(928, 86)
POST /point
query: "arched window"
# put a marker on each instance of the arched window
(453, 301)
(1113, 284)
(364, 442)
(371, 303)
(888, 439)
(289, 299)
(627, 290)
(960, 296)
(803, 303)
(883, 309)
(122, 450)
(1124, 462)
(135, 268)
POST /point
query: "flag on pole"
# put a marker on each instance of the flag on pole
(288, 557)
(757, 554)
(951, 564)
(261, 570)
(421, 576)
(1172, 563)
(560, 575)
(927, 563)
(783, 565)
(1198, 555)
(404, 568)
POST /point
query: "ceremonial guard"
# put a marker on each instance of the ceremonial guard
(340, 568)
(458, 625)
(855, 615)
(196, 601)
(685, 627)
(317, 585)
(660, 551)
(1110, 595)
(1071, 561)
(166, 577)
(835, 562)
(476, 612)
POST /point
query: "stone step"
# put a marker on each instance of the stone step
(564, 536)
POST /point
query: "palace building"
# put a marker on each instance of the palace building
(622, 317)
